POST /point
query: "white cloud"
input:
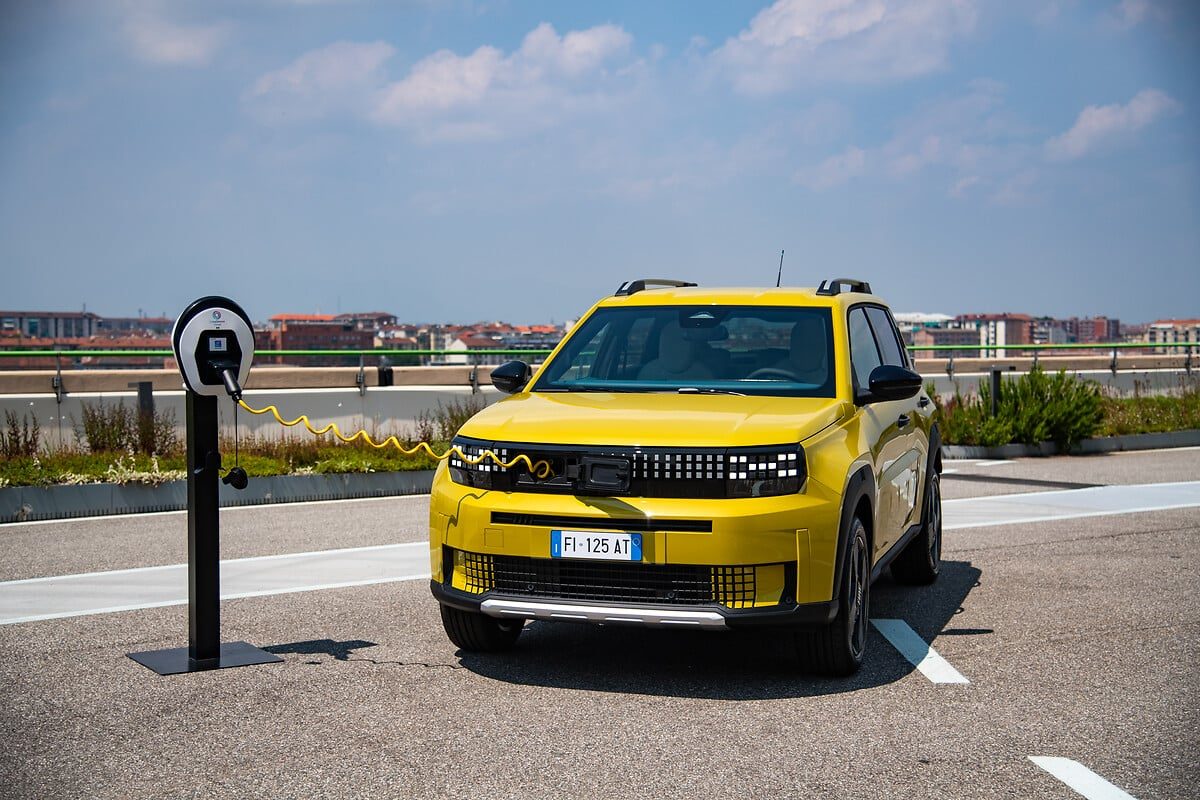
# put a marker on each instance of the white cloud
(970, 141)
(798, 42)
(488, 93)
(342, 75)
(160, 41)
(835, 170)
(1100, 126)
(484, 94)
(1131, 13)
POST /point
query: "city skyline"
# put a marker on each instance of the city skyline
(478, 160)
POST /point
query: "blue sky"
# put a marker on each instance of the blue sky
(467, 160)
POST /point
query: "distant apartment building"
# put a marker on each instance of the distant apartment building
(997, 329)
(49, 324)
(1048, 330)
(1093, 330)
(134, 326)
(373, 321)
(1173, 331)
(317, 332)
(945, 337)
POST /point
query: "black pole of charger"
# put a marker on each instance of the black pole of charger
(204, 650)
(204, 531)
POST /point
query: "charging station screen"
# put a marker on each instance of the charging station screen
(218, 344)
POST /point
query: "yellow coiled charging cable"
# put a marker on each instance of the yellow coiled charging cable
(539, 469)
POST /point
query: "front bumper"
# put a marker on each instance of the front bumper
(709, 617)
(799, 529)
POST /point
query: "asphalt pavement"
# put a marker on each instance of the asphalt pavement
(1077, 638)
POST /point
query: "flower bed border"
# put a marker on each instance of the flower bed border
(29, 503)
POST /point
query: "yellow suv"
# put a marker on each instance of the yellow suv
(691, 457)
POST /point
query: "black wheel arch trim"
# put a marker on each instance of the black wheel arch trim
(861, 484)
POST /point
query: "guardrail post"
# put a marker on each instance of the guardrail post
(56, 383)
(1113, 364)
(1187, 361)
(360, 380)
(386, 377)
(995, 391)
(145, 427)
(950, 365)
(474, 379)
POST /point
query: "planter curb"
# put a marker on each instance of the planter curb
(28, 503)
(1108, 444)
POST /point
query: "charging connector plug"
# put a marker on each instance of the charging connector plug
(229, 378)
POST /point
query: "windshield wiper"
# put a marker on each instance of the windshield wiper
(708, 390)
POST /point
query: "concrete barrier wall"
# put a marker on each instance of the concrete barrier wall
(329, 394)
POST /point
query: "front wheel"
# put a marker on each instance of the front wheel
(922, 557)
(837, 649)
(479, 633)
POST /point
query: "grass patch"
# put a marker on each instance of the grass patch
(1143, 413)
(261, 456)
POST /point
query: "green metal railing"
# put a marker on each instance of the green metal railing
(921, 348)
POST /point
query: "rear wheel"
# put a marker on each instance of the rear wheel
(922, 557)
(837, 649)
(479, 633)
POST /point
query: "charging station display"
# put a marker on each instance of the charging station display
(212, 337)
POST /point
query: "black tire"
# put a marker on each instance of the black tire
(478, 633)
(837, 649)
(921, 560)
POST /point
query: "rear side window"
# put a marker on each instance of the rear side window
(864, 355)
(885, 334)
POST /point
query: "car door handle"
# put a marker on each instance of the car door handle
(903, 421)
(923, 402)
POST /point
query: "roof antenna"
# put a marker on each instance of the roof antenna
(779, 277)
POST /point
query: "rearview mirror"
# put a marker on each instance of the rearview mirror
(889, 382)
(511, 377)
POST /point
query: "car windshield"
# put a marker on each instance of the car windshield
(761, 350)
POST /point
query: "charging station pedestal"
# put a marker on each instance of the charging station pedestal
(214, 344)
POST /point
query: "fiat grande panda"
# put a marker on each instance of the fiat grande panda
(696, 458)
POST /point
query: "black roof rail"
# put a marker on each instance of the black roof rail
(834, 286)
(633, 287)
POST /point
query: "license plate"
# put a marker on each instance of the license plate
(595, 544)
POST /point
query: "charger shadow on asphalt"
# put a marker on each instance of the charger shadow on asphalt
(738, 665)
(341, 651)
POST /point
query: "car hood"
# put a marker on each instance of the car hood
(653, 419)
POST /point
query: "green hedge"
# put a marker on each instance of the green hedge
(1039, 407)
(1034, 408)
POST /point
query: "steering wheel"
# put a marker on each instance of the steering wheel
(773, 372)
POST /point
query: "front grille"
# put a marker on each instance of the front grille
(671, 584)
(679, 472)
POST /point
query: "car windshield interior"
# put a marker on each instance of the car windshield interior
(705, 349)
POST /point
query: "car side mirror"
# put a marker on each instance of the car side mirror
(511, 377)
(889, 382)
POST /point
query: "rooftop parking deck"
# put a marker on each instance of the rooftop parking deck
(1068, 606)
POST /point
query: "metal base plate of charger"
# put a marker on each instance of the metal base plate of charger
(175, 660)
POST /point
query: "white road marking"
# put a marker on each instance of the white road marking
(993, 462)
(154, 587)
(1012, 509)
(149, 587)
(918, 651)
(1080, 778)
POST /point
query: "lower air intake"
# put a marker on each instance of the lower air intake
(671, 584)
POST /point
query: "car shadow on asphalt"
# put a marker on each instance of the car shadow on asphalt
(737, 665)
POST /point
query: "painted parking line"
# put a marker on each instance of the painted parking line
(154, 587)
(1080, 778)
(1095, 501)
(149, 587)
(919, 653)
